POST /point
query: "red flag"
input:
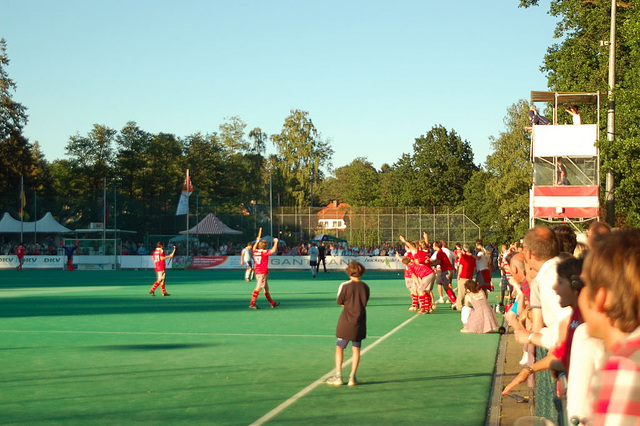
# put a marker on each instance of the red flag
(188, 186)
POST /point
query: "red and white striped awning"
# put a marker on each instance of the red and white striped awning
(566, 201)
(211, 225)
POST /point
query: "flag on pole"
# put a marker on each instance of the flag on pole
(105, 211)
(23, 198)
(183, 203)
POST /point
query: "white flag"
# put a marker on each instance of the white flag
(183, 203)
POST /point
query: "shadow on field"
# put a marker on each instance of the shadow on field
(149, 347)
(63, 306)
(425, 379)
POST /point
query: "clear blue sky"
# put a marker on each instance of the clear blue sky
(373, 75)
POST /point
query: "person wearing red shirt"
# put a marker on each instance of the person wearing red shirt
(441, 258)
(467, 267)
(160, 267)
(20, 251)
(422, 272)
(408, 277)
(261, 259)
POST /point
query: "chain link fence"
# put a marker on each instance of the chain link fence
(373, 226)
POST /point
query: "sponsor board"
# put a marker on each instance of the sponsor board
(33, 262)
(95, 267)
(390, 263)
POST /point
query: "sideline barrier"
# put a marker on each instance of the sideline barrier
(381, 263)
(60, 262)
(388, 263)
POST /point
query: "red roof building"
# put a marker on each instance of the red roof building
(332, 216)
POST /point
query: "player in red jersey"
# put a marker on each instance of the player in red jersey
(158, 260)
(407, 259)
(441, 258)
(261, 259)
(20, 251)
(423, 274)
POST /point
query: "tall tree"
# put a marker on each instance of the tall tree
(511, 175)
(16, 153)
(92, 161)
(356, 183)
(437, 170)
(132, 144)
(232, 135)
(259, 139)
(303, 154)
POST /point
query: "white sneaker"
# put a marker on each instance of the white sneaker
(353, 381)
(525, 359)
(335, 380)
(441, 300)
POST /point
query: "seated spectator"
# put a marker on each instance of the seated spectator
(481, 319)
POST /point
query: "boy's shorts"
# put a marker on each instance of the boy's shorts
(504, 284)
(444, 278)
(313, 262)
(343, 343)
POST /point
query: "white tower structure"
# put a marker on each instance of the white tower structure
(566, 163)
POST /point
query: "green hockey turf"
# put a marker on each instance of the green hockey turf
(92, 347)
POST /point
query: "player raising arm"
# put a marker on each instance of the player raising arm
(158, 260)
(261, 259)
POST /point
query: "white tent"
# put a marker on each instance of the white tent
(211, 225)
(46, 225)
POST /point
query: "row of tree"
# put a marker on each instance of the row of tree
(232, 173)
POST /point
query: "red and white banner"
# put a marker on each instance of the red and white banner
(566, 201)
(183, 203)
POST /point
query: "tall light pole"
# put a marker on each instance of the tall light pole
(611, 127)
(270, 204)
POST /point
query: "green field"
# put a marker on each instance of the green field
(92, 347)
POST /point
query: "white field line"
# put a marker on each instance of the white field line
(280, 408)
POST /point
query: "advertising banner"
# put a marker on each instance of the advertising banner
(33, 262)
(389, 263)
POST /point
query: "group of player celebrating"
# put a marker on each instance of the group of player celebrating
(428, 264)
(425, 264)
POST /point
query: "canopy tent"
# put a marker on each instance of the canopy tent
(567, 97)
(211, 225)
(46, 225)
(183, 238)
(330, 238)
(100, 231)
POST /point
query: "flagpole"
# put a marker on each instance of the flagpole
(188, 182)
(35, 216)
(104, 212)
(22, 203)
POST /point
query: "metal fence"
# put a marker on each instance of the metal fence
(371, 226)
